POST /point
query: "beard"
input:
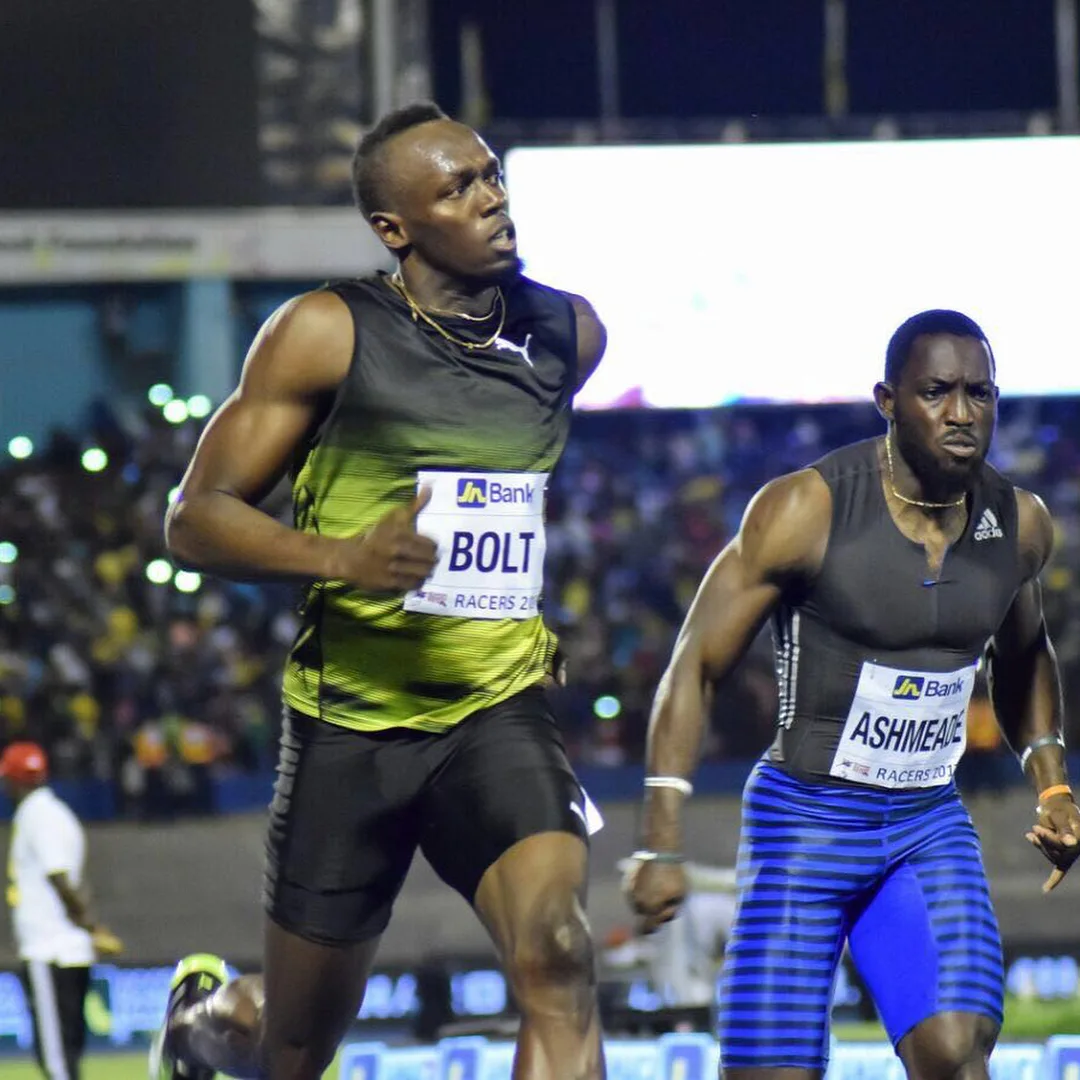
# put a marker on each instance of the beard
(941, 476)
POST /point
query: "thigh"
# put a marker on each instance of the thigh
(503, 777)
(799, 875)
(343, 828)
(931, 919)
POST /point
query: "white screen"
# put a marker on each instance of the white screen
(778, 272)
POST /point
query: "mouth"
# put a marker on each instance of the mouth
(504, 238)
(961, 447)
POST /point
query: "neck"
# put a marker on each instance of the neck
(909, 488)
(436, 291)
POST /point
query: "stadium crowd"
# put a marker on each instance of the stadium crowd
(126, 677)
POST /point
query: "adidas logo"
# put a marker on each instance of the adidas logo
(988, 527)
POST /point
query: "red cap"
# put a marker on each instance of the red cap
(24, 761)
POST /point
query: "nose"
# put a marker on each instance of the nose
(959, 412)
(496, 200)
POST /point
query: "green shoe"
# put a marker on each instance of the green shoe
(196, 977)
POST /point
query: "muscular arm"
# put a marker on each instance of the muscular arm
(781, 542)
(300, 355)
(591, 338)
(1021, 664)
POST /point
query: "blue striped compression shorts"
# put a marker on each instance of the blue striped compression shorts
(897, 873)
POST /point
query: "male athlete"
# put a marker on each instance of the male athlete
(886, 568)
(420, 414)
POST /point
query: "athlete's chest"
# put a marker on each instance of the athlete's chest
(881, 592)
(413, 376)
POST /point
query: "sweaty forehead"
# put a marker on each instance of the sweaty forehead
(949, 357)
(435, 151)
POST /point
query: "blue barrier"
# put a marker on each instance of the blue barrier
(681, 1057)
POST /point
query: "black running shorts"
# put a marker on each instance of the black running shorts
(350, 808)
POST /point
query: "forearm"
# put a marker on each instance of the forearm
(221, 534)
(75, 904)
(674, 743)
(1026, 692)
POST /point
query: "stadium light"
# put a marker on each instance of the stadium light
(7, 595)
(20, 447)
(173, 495)
(187, 581)
(94, 459)
(8, 552)
(607, 707)
(160, 394)
(199, 406)
(175, 411)
(159, 571)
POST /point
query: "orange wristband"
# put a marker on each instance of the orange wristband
(1056, 789)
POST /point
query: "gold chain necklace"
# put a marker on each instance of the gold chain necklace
(419, 313)
(914, 502)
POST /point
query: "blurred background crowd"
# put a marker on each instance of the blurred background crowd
(153, 679)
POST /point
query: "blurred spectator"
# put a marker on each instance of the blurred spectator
(155, 688)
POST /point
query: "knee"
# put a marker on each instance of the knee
(953, 1047)
(554, 948)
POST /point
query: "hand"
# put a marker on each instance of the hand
(557, 675)
(105, 942)
(1057, 835)
(655, 891)
(392, 557)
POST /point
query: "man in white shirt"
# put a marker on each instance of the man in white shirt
(55, 935)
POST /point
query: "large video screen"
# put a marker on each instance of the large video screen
(778, 272)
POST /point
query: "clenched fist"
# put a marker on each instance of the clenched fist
(391, 557)
(655, 891)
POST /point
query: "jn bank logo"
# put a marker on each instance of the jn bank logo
(908, 686)
(472, 491)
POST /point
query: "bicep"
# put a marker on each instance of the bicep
(299, 357)
(246, 448)
(732, 604)
(1023, 625)
(782, 540)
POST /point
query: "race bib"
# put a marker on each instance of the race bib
(906, 729)
(489, 529)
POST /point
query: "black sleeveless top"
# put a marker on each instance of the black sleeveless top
(414, 401)
(874, 613)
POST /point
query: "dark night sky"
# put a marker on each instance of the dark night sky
(693, 58)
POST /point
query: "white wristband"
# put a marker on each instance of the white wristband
(1038, 744)
(684, 787)
(668, 857)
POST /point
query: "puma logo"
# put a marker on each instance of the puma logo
(522, 350)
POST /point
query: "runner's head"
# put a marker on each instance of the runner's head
(939, 397)
(432, 189)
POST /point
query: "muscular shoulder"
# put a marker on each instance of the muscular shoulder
(785, 530)
(591, 336)
(1035, 529)
(305, 347)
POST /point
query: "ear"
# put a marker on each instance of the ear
(885, 400)
(390, 229)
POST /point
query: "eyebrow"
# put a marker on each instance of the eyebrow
(938, 380)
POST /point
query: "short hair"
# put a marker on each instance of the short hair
(935, 321)
(367, 167)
